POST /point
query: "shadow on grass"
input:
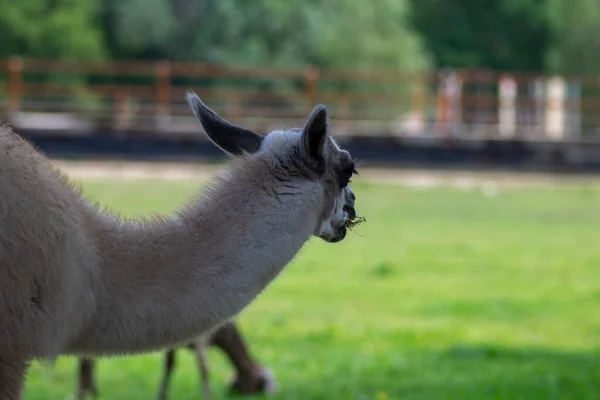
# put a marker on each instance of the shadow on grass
(461, 372)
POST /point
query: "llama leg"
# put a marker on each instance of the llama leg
(87, 386)
(251, 377)
(169, 364)
(203, 367)
(12, 378)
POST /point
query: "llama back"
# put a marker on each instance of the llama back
(44, 247)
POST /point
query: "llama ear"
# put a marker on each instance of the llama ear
(315, 133)
(230, 138)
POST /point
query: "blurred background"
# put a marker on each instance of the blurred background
(510, 81)
(476, 275)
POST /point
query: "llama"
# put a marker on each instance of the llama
(251, 377)
(79, 280)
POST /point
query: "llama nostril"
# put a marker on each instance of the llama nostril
(351, 211)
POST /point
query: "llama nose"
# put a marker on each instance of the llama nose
(351, 211)
(350, 197)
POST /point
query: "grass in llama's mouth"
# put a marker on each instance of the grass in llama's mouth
(353, 222)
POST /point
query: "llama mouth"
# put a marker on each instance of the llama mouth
(351, 218)
(340, 235)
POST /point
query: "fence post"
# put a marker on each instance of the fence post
(122, 116)
(573, 109)
(507, 112)
(442, 114)
(418, 102)
(15, 83)
(311, 86)
(163, 91)
(454, 86)
(555, 111)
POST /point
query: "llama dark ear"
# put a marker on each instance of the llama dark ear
(230, 138)
(315, 134)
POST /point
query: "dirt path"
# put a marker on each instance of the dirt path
(418, 178)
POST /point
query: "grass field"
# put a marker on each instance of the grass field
(448, 294)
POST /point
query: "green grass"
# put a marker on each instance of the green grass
(447, 295)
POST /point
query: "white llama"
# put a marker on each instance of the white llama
(78, 280)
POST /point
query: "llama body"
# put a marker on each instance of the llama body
(75, 279)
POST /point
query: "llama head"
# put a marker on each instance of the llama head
(295, 156)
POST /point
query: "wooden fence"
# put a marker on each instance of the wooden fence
(81, 96)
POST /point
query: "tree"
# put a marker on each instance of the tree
(50, 29)
(350, 33)
(360, 33)
(576, 44)
(505, 35)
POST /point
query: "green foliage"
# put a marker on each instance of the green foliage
(143, 24)
(265, 32)
(508, 34)
(261, 32)
(526, 35)
(368, 34)
(575, 48)
(51, 29)
(448, 294)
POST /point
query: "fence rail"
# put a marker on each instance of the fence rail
(149, 96)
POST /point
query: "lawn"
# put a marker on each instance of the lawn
(443, 294)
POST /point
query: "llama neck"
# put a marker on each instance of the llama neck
(167, 281)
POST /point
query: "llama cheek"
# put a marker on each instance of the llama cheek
(325, 229)
(339, 215)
